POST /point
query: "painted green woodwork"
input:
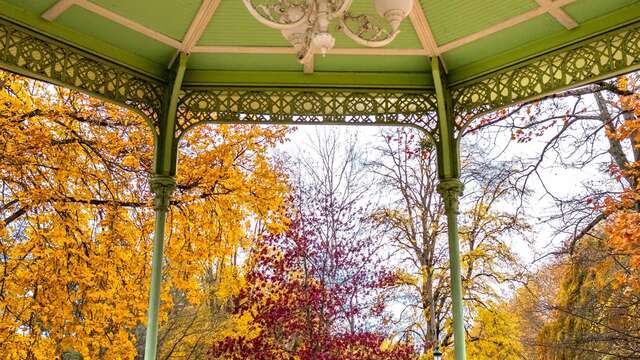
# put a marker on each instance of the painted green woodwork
(448, 166)
(259, 62)
(537, 28)
(407, 39)
(166, 154)
(453, 19)
(32, 21)
(162, 186)
(172, 18)
(595, 58)
(412, 64)
(33, 55)
(330, 63)
(450, 188)
(163, 183)
(362, 80)
(299, 106)
(606, 23)
(333, 63)
(37, 7)
(591, 60)
(233, 26)
(584, 10)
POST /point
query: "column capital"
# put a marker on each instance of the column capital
(162, 186)
(450, 189)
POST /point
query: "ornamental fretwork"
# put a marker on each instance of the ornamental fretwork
(594, 59)
(36, 56)
(306, 106)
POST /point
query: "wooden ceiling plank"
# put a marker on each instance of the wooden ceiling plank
(57, 9)
(503, 25)
(199, 24)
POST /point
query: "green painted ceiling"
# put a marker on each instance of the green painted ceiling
(233, 26)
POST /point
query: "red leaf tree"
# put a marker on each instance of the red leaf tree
(317, 291)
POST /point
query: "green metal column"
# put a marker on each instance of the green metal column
(162, 186)
(450, 188)
(163, 183)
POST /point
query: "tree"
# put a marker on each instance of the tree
(532, 305)
(334, 201)
(286, 309)
(592, 129)
(596, 313)
(623, 226)
(316, 291)
(415, 224)
(494, 334)
(76, 218)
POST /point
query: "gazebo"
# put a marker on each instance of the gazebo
(431, 64)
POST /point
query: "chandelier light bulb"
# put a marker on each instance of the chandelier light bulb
(394, 11)
(323, 41)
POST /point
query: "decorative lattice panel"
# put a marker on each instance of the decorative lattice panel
(304, 106)
(33, 55)
(591, 60)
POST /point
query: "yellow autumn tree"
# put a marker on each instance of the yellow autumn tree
(76, 220)
(623, 221)
(494, 334)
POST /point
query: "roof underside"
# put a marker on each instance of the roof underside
(471, 37)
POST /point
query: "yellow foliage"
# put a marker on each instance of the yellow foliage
(77, 220)
(494, 335)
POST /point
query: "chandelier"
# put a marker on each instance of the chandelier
(305, 23)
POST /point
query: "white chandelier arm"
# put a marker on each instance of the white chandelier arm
(346, 4)
(270, 23)
(364, 42)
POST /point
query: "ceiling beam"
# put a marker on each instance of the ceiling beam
(57, 9)
(557, 12)
(63, 5)
(422, 28)
(504, 25)
(87, 5)
(309, 65)
(291, 50)
(199, 24)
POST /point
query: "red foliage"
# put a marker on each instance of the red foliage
(301, 311)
